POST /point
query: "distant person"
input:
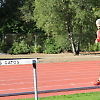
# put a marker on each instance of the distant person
(98, 31)
(98, 41)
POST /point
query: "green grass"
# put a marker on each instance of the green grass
(79, 96)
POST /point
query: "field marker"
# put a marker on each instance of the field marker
(17, 61)
(20, 61)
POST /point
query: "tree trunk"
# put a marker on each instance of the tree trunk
(79, 39)
(72, 43)
(78, 48)
(71, 39)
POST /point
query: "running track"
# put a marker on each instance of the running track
(19, 78)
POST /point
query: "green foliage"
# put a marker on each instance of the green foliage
(53, 17)
(62, 16)
(94, 47)
(23, 48)
(49, 46)
(48, 15)
(56, 44)
(62, 43)
(35, 49)
(4, 47)
(9, 16)
(19, 48)
(27, 10)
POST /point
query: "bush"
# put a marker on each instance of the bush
(56, 44)
(49, 46)
(4, 47)
(37, 49)
(19, 48)
(94, 47)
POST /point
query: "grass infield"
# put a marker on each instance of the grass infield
(79, 96)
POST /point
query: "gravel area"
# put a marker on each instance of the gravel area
(54, 58)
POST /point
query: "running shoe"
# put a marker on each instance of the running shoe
(97, 83)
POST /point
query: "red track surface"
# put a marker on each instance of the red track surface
(19, 78)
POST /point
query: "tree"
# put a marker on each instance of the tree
(9, 16)
(27, 10)
(11, 22)
(49, 13)
(74, 17)
(83, 23)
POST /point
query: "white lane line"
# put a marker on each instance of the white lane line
(66, 71)
(16, 89)
(49, 77)
(17, 79)
(67, 85)
(60, 69)
(17, 83)
(52, 86)
(40, 76)
(49, 81)
(68, 79)
(67, 67)
(19, 76)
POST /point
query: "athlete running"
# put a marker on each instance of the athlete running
(98, 41)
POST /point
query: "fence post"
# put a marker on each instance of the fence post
(35, 79)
